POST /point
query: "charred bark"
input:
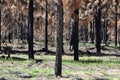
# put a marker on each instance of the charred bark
(46, 28)
(97, 17)
(59, 40)
(105, 35)
(30, 30)
(0, 24)
(116, 22)
(76, 41)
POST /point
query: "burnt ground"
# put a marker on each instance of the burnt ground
(91, 66)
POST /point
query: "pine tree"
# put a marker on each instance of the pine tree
(30, 30)
(59, 40)
(97, 17)
(116, 4)
(76, 41)
(46, 27)
(0, 24)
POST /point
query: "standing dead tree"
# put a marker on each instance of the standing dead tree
(116, 9)
(0, 24)
(46, 27)
(73, 8)
(59, 39)
(30, 30)
(97, 17)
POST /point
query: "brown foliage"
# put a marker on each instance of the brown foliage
(18, 10)
(85, 21)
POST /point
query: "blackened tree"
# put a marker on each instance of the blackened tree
(46, 27)
(105, 27)
(30, 30)
(0, 24)
(59, 40)
(97, 17)
(76, 41)
(116, 4)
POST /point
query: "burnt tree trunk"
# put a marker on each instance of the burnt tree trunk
(46, 28)
(76, 41)
(91, 32)
(116, 1)
(30, 30)
(105, 36)
(97, 17)
(59, 40)
(0, 24)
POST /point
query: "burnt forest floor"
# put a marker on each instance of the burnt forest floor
(91, 66)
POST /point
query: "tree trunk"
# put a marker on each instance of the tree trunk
(0, 24)
(116, 22)
(59, 40)
(91, 32)
(30, 30)
(105, 36)
(97, 17)
(75, 45)
(46, 28)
